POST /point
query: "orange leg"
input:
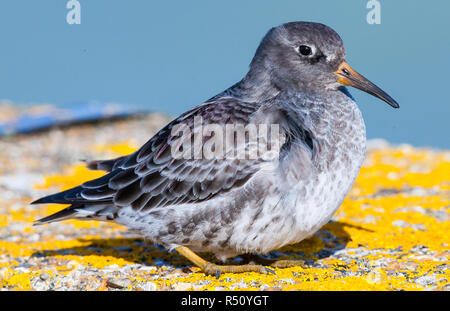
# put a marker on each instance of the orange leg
(212, 269)
(253, 259)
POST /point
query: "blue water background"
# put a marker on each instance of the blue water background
(172, 55)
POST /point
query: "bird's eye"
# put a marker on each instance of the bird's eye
(305, 50)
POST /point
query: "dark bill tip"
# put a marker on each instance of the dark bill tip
(348, 76)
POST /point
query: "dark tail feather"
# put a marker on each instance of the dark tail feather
(103, 165)
(64, 197)
(61, 215)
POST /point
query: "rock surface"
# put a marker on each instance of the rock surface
(391, 232)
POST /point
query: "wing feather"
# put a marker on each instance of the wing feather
(151, 177)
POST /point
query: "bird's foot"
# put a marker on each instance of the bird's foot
(255, 259)
(288, 263)
(213, 269)
(217, 270)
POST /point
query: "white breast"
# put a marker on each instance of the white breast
(314, 188)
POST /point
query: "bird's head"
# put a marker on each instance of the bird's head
(309, 56)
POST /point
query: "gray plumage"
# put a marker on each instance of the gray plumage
(231, 206)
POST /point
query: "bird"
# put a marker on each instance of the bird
(231, 202)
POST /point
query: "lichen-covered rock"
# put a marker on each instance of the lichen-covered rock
(391, 232)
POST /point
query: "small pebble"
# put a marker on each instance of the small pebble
(118, 283)
(182, 286)
(148, 286)
(44, 276)
(426, 280)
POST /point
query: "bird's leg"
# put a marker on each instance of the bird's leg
(212, 269)
(253, 259)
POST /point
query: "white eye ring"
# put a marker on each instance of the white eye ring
(306, 50)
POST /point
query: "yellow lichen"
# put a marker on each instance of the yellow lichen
(392, 205)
